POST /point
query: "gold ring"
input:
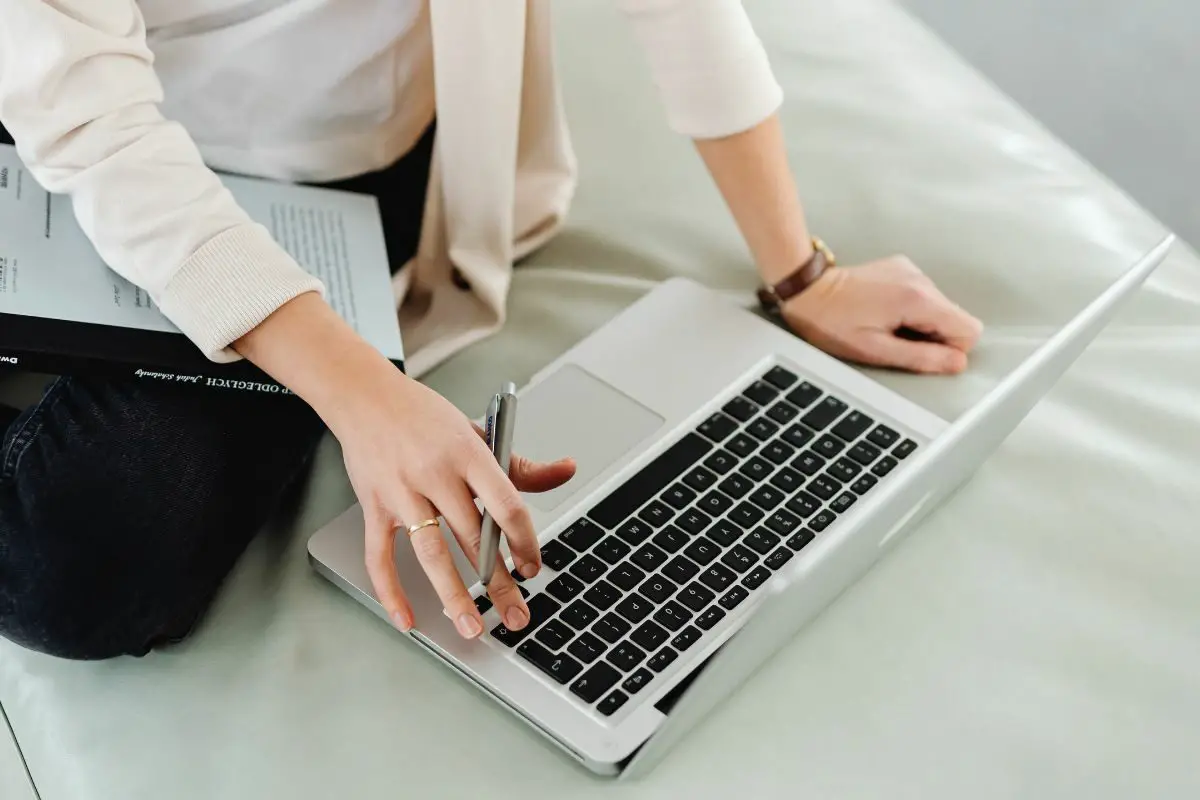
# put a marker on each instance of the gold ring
(423, 524)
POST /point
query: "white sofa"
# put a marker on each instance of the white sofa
(1037, 638)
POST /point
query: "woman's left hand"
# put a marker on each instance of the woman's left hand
(855, 313)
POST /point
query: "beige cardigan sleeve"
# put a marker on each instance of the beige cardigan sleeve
(79, 94)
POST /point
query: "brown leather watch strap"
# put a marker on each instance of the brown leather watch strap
(772, 297)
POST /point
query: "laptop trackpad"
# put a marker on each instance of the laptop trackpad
(573, 413)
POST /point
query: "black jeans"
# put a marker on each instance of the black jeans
(124, 505)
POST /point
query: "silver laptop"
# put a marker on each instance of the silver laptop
(732, 481)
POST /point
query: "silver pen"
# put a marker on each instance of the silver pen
(498, 427)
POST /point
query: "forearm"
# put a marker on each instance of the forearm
(752, 173)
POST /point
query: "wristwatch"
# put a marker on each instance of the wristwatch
(772, 298)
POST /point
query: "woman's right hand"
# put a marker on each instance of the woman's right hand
(411, 456)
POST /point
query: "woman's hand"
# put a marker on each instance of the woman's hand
(411, 456)
(856, 313)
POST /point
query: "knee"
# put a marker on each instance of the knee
(71, 606)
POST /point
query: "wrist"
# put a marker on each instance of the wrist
(779, 288)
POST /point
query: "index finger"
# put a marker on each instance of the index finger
(500, 497)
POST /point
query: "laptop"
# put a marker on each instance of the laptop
(732, 481)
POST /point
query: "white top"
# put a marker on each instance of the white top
(309, 90)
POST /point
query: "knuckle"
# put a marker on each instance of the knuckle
(504, 592)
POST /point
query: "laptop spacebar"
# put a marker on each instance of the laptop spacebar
(652, 479)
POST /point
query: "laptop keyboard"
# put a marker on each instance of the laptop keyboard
(655, 567)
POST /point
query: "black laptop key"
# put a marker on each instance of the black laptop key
(658, 588)
(702, 551)
(700, 479)
(662, 659)
(718, 427)
(843, 501)
(883, 466)
(720, 462)
(853, 425)
(680, 569)
(602, 595)
(695, 596)
(739, 559)
(554, 635)
(649, 636)
(649, 557)
(516, 576)
(597, 680)
(742, 445)
(715, 503)
(637, 681)
(761, 392)
(557, 555)
(611, 628)
(678, 496)
(804, 395)
(672, 616)
(634, 532)
(801, 539)
(561, 667)
(864, 453)
(804, 504)
(649, 481)
(763, 428)
(483, 604)
(656, 514)
(883, 436)
(718, 577)
(634, 608)
(822, 520)
(694, 521)
(733, 598)
(761, 541)
(582, 535)
(829, 446)
(777, 559)
(579, 615)
(710, 618)
(783, 522)
(809, 463)
(823, 487)
(541, 608)
(740, 408)
(757, 469)
(736, 485)
(524, 592)
(777, 452)
(780, 378)
(767, 497)
(845, 470)
(565, 588)
(670, 539)
(798, 435)
(757, 577)
(627, 576)
(626, 656)
(588, 568)
(724, 533)
(686, 638)
(612, 704)
(783, 412)
(863, 484)
(824, 413)
(787, 480)
(904, 449)
(611, 549)
(746, 515)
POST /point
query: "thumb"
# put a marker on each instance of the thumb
(889, 350)
(537, 476)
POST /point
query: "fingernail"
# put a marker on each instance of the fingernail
(468, 626)
(516, 618)
(399, 621)
(528, 570)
